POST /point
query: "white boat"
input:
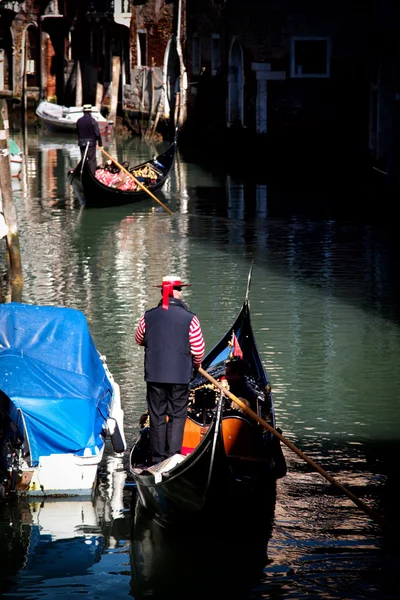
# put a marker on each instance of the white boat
(15, 159)
(58, 403)
(63, 118)
(16, 184)
(16, 165)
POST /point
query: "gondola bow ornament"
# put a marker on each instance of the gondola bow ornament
(236, 349)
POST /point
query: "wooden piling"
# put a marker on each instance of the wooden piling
(10, 216)
(78, 88)
(116, 70)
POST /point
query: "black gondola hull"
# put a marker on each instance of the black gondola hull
(94, 194)
(188, 490)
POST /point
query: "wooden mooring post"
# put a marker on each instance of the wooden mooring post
(10, 216)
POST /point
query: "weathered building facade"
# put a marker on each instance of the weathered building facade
(122, 55)
(158, 71)
(20, 51)
(279, 63)
(323, 72)
(70, 52)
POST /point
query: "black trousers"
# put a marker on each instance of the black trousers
(90, 156)
(166, 399)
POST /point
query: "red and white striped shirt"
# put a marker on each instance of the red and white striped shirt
(196, 340)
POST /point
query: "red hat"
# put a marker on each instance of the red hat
(168, 284)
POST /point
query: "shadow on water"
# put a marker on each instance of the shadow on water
(327, 255)
(14, 545)
(224, 558)
(369, 470)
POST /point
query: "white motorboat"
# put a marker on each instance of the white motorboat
(63, 118)
(58, 403)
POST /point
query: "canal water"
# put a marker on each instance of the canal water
(325, 309)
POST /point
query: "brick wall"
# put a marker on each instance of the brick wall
(49, 77)
(145, 92)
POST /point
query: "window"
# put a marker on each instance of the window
(142, 48)
(215, 54)
(196, 62)
(30, 66)
(52, 8)
(310, 57)
(125, 6)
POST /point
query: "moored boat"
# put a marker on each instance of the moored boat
(92, 193)
(59, 402)
(63, 118)
(227, 459)
(15, 158)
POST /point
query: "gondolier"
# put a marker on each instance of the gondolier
(174, 345)
(88, 132)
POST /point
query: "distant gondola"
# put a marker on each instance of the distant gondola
(92, 193)
(228, 461)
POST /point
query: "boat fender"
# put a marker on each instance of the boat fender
(117, 440)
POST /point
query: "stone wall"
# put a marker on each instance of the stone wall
(20, 23)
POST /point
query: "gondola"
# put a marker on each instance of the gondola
(228, 460)
(94, 194)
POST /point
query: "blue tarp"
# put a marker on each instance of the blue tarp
(51, 370)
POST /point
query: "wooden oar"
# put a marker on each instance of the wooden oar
(84, 156)
(378, 518)
(134, 179)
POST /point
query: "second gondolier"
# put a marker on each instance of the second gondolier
(88, 136)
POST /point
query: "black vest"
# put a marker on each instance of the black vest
(88, 130)
(166, 340)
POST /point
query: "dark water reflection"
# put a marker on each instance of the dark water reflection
(223, 560)
(52, 548)
(325, 311)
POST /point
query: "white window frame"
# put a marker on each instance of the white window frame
(119, 5)
(303, 38)
(120, 16)
(196, 54)
(215, 64)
